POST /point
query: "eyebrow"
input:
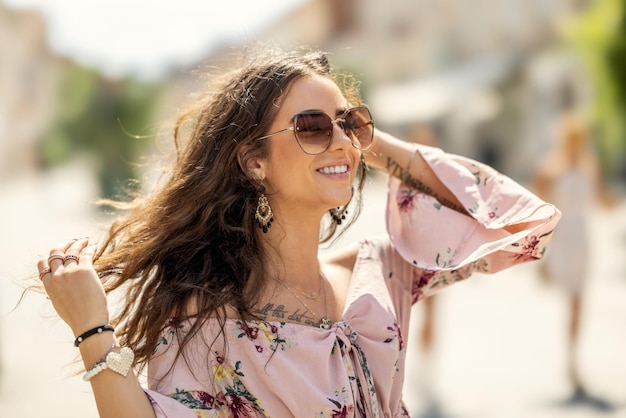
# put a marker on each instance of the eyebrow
(341, 111)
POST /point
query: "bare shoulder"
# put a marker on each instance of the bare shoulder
(343, 257)
(337, 267)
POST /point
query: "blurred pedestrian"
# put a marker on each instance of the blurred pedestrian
(569, 177)
(227, 300)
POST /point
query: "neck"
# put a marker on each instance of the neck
(292, 245)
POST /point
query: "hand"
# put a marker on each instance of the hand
(374, 155)
(73, 285)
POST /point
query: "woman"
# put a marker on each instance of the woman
(570, 177)
(229, 304)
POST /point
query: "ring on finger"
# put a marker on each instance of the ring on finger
(56, 257)
(70, 257)
(44, 272)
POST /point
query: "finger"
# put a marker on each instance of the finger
(72, 254)
(43, 273)
(87, 254)
(70, 258)
(56, 259)
(57, 255)
(42, 264)
(43, 268)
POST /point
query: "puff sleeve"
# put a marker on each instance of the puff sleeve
(446, 246)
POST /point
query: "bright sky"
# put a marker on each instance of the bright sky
(146, 36)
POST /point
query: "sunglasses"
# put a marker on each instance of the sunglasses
(313, 129)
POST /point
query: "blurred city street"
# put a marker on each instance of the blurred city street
(90, 91)
(499, 340)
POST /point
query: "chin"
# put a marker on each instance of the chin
(344, 201)
(338, 197)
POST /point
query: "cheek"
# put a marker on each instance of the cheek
(286, 166)
(356, 163)
(284, 148)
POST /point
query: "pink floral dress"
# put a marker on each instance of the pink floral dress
(356, 368)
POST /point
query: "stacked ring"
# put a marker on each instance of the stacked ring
(43, 273)
(71, 257)
(56, 257)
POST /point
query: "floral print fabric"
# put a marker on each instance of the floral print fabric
(356, 368)
(450, 245)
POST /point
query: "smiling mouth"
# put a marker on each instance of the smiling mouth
(336, 169)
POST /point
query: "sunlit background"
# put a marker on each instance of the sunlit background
(86, 88)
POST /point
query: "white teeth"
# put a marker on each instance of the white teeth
(337, 169)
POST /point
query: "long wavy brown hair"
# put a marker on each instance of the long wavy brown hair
(195, 241)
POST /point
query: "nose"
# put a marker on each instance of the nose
(340, 138)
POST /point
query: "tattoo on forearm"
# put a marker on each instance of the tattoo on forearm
(394, 169)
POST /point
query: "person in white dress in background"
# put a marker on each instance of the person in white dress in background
(569, 177)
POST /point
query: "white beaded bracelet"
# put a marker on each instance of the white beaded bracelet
(118, 362)
(94, 370)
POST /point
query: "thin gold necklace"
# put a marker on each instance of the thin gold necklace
(324, 322)
(313, 295)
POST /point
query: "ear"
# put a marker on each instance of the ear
(252, 166)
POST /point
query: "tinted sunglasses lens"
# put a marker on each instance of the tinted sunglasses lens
(358, 123)
(314, 132)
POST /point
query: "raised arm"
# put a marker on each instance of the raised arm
(402, 159)
(79, 298)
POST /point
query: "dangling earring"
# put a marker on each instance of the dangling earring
(263, 214)
(339, 214)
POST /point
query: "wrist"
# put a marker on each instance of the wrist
(92, 332)
(118, 359)
(87, 323)
(91, 349)
(375, 154)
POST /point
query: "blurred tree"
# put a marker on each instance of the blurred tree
(104, 120)
(599, 35)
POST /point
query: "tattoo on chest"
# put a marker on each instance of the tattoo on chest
(278, 312)
(394, 169)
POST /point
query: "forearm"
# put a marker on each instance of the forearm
(400, 159)
(116, 396)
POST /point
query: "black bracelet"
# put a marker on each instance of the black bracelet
(97, 330)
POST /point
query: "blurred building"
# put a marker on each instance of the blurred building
(29, 77)
(54, 110)
(483, 73)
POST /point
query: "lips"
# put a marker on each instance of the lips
(334, 169)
